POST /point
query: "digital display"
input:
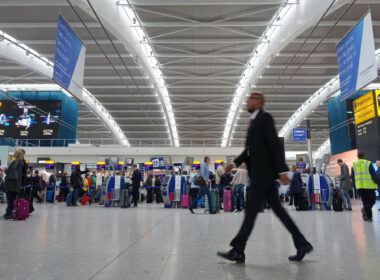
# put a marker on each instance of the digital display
(100, 165)
(128, 161)
(148, 165)
(32, 119)
(74, 164)
(50, 165)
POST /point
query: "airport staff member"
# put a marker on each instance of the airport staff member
(136, 178)
(265, 160)
(365, 180)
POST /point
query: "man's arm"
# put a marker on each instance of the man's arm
(278, 154)
(373, 174)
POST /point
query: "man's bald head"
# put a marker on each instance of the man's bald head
(255, 101)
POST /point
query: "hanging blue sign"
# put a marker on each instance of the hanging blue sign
(356, 58)
(69, 58)
(299, 134)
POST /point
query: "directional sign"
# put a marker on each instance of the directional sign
(299, 134)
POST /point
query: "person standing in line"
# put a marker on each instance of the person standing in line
(76, 182)
(265, 159)
(136, 179)
(296, 186)
(157, 189)
(345, 185)
(13, 182)
(64, 183)
(239, 181)
(218, 175)
(205, 174)
(53, 179)
(194, 189)
(36, 186)
(25, 179)
(365, 180)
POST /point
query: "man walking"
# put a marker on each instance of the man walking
(265, 159)
(205, 174)
(345, 185)
(136, 179)
(365, 179)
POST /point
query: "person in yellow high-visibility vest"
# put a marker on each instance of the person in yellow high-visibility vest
(365, 180)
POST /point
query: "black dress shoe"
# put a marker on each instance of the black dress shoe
(301, 252)
(191, 210)
(232, 255)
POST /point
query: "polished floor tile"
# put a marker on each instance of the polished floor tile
(150, 242)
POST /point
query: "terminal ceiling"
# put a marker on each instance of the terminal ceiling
(202, 48)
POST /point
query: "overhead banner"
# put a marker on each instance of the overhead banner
(357, 58)
(68, 59)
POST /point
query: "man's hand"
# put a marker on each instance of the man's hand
(228, 168)
(284, 179)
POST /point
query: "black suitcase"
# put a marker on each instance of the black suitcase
(337, 204)
(303, 201)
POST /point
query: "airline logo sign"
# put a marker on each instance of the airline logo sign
(378, 102)
(68, 59)
(357, 58)
(364, 108)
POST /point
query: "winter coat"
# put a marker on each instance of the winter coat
(13, 180)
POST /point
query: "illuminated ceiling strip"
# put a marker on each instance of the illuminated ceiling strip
(330, 88)
(13, 50)
(292, 18)
(123, 22)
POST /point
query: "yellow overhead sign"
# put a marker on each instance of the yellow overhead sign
(378, 101)
(363, 101)
(365, 114)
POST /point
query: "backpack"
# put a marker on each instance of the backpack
(198, 180)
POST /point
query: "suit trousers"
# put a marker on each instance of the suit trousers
(135, 194)
(256, 196)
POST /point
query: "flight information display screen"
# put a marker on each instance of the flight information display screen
(32, 119)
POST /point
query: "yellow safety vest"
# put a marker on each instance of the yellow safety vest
(363, 179)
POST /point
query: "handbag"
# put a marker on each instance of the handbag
(198, 180)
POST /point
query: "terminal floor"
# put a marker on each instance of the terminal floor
(150, 242)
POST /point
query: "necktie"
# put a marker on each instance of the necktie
(250, 122)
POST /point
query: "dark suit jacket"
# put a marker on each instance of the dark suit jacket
(136, 178)
(264, 153)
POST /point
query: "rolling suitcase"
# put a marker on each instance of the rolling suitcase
(227, 200)
(50, 196)
(125, 199)
(185, 201)
(214, 200)
(21, 209)
(85, 199)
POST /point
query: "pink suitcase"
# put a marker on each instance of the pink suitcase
(227, 201)
(185, 201)
(20, 209)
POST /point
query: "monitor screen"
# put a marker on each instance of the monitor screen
(32, 119)
(128, 161)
